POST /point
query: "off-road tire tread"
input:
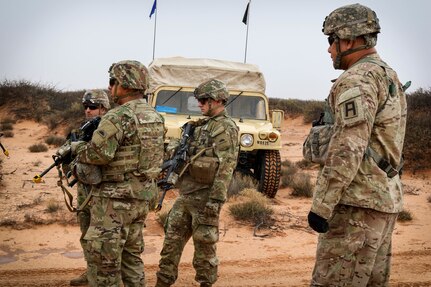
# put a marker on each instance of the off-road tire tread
(270, 173)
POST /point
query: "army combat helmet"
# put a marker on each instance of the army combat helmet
(213, 89)
(96, 97)
(130, 75)
(349, 22)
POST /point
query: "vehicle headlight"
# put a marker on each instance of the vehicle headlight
(247, 140)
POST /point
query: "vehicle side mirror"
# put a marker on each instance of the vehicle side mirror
(277, 117)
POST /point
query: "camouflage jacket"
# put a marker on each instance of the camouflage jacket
(219, 135)
(119, 143)
(367, 110)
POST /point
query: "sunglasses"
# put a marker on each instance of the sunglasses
(112, 82)
(331, 39)
(91, 107)
(203, 101)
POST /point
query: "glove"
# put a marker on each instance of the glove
(76, 147)
(318, 223)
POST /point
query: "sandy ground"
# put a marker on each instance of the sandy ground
(34, 254)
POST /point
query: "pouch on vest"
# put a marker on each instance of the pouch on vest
(203, 169)
(315, 147)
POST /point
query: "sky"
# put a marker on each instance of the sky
(70, 45)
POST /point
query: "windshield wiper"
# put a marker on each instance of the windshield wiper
(236, 97)
(170, 97)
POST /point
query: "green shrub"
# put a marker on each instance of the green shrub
(301, 185)
(55, 141)
(38, 148)
(252, 206)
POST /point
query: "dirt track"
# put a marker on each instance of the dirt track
(279, 270)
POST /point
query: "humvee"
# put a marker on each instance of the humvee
(172, 82)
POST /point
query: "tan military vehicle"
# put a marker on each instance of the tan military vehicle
(172, 82)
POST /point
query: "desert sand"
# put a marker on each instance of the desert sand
(33, 253)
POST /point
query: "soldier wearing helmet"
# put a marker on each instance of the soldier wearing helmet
(127, 146)
(203, 186)
(358, 194)
(96, 104)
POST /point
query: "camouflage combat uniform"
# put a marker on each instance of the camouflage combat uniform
(357, 197)
(128, 147)
(196, 211)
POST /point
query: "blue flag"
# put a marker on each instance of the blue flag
(154, 8)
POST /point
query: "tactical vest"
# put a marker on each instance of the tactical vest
(203, 163)
(315, 147)
(143, 159)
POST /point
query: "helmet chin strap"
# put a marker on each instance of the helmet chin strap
(116, 98)
(337, 62)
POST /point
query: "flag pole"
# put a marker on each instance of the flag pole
(155, 25)
(246, 35)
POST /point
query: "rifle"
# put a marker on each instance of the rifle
(64, 153)
(5, 151)
(176, 163)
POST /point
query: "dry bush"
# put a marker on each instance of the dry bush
(405, 215)
(429, 199)
(252, 206)
(52, 206)
(301, 185)
(55, 140)
(8, 134)
(240, 182)
(6, 127)
(8, 120)
(38, 148)
(417, 153)
(305, 164)
(288, 170)
(8, 222)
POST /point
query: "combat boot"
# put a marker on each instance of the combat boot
(80, 281)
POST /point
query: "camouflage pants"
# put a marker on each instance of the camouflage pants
(187, 219)
(83, 216)
(115, 242)
(356, 251)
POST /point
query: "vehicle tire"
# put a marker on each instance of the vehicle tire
(269, 172)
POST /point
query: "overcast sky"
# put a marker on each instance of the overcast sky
(71, 44)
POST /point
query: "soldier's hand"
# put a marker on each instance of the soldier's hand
(76, 147)
(318, 223)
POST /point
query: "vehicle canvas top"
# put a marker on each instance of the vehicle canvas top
(187, 72)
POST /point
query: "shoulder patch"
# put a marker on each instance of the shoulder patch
(350, 106)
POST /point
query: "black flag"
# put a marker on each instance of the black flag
(245, 17)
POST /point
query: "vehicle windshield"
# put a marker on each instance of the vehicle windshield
(184, 102)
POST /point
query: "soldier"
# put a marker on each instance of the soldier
(96, 104)
(126, 151)
(358, 193)
(203, 189)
